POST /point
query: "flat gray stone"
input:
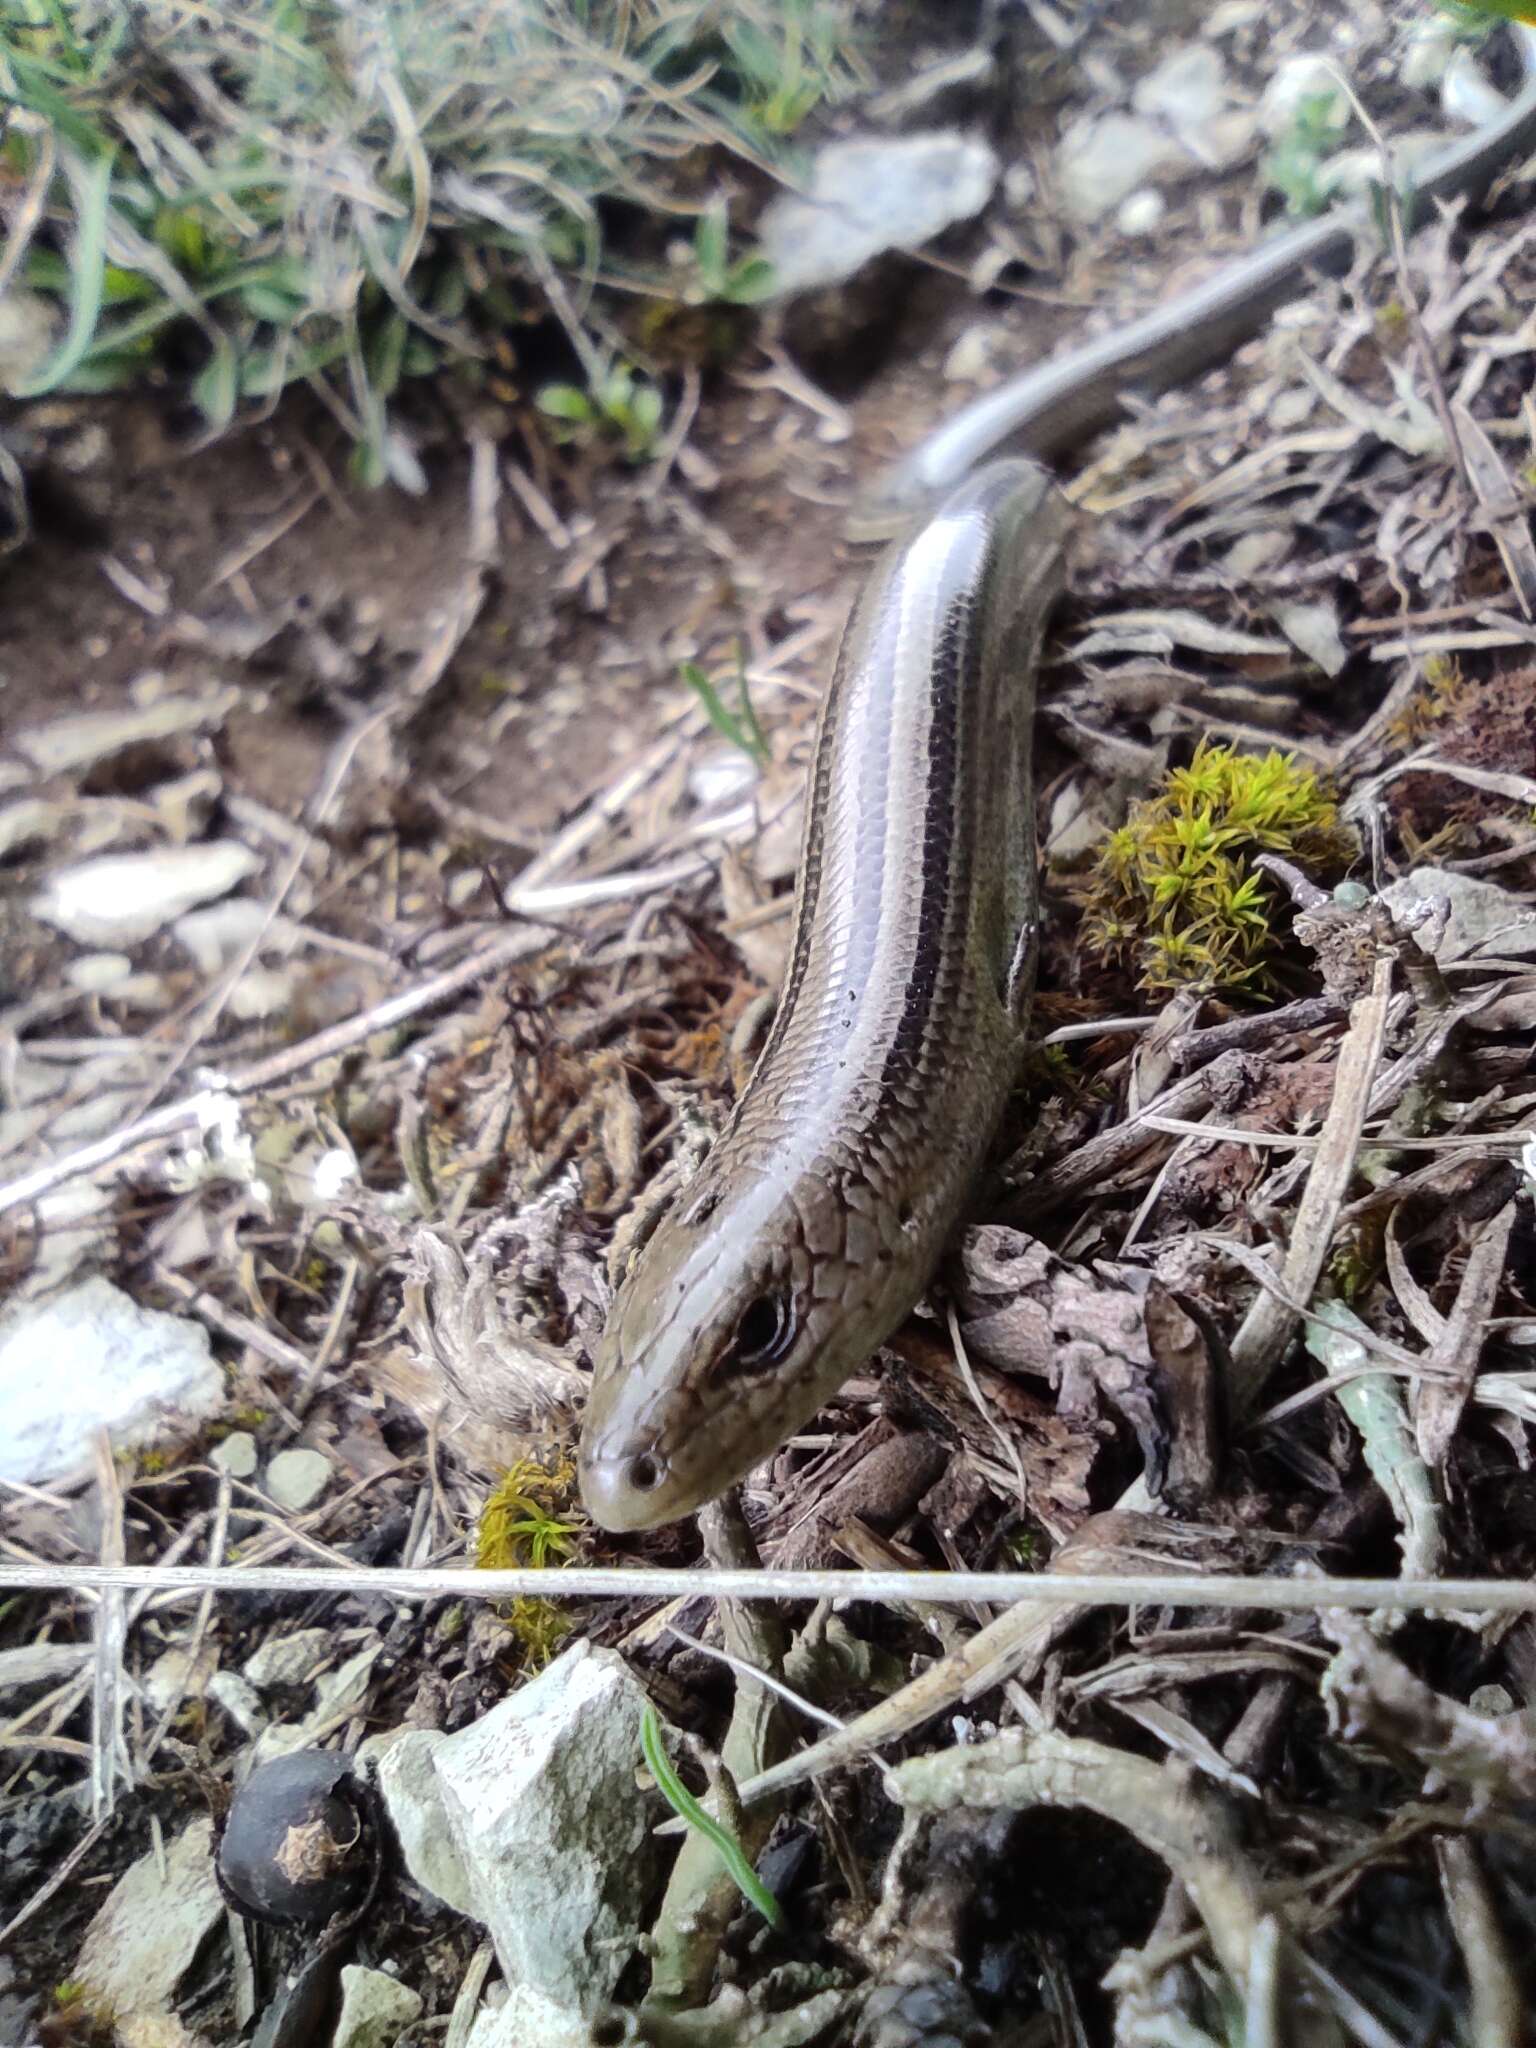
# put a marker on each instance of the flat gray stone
(147, 1933)
(236, 1455)
(1102, 161)
(869, 195)
(375, 2009)
(1479, 916)
(296, 1479)
(121, 897)
(288, 1660)
(88, 736)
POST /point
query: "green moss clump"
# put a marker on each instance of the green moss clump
(1174, 895)
(522, 1524)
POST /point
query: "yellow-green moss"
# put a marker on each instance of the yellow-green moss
(1174, 895)
(523, 1523)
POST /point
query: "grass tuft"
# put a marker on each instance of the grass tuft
(348, 197)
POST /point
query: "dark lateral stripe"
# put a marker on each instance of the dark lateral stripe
(947, 849)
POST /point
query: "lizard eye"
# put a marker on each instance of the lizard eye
(764, 1333)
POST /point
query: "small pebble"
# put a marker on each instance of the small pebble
(236, 1455)
(975, 353)
(1142, 213)
(296, 1479)
(94, 972)
(1491, 1699)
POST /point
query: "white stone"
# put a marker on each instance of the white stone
(868, 195)
(1291, 408)
(721, 777)
(545, 1783)
(30, 818)
(1255, 551)
(1355, 172)
(236, 1455)
(120, 897)
(1186, 88)
(976, 352)
(1431, 46)
(89, 736)
(147, 1933)
(1313, 627)
(527, 2019)
(1101, 161)
(94, 973)
(262, 992)
(1308, 75)
(92, 1359)
(375, 2009)
(296, 1479)
(220, 932)
(1142, 213)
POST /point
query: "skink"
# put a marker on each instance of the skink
(1059, 403)
(816, 1221)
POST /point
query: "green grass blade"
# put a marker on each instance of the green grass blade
(93, 187)
(687, 1808)
(748, 736)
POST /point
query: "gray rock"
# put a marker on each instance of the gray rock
(288, 1660)
(236, 1455)
(1187, 88)
(135, 1372)
(296, 1479)
(550, 1838)
(337, 1693)
(375, 2009)
(89, 736)
(870, 195)
(147, 1933)
(121, 897)
(94, 973)
(1102, 161)
(408, 1785)
(527, 2019)
(1478, 916)
(221, 932)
